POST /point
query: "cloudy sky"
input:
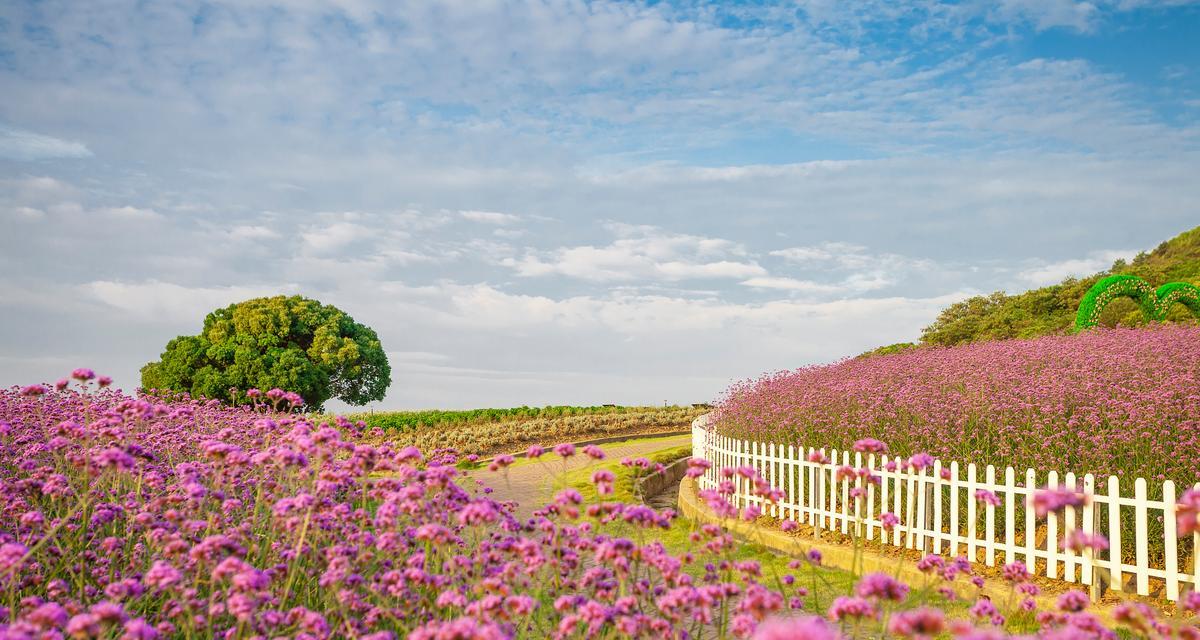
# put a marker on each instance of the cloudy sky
(560, 201)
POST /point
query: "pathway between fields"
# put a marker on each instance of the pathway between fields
(529, 483)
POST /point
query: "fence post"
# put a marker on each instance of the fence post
(870, 531)
(1170, 555)
(1142, 541)
(819, 496)
(972, 516)
(772, 477)
(954, 529)
(846, 507)
(1195, 552)
(1052, 533)
(1069, 559)
(793, 476)
(1114, 534)
(1010, 516)
(934, 498)
(910, 519)
(1088, 571)
(990, 524)
(884, 505)
(859, 501)
(1030, 521)
(897, 489)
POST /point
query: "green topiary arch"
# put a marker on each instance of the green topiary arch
(1155, 303)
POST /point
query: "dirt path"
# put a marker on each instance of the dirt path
(528, 484)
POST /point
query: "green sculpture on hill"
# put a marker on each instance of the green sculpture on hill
(291, 343)
(1154, 303)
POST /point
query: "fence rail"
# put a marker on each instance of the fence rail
(939, 513)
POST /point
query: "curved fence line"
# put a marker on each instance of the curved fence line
(939, 513)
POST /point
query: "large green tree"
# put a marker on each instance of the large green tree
(292, 343)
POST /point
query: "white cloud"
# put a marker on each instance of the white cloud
(1047, 14)
(823, 252)
(18, 144)
(252, 232)
(26, 213)
(790, 284)
(152, 301)
(131, 213)
(1054, 272)
(641, 252)
(332, 238)
(490, 217)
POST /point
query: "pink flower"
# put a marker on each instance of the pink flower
(870, 445)
(603, 479)
(565, 449)
(930, 563)
(83, 375)
(987, 497)
(697, 467)
(984, 609)
(920, 461)
(161, 576)
(1054, 500)
(1190, 601)
(1073, 601)
(1187, 513)
(848, 608)
(1079, 541)
(921, 623)
(1016, 571)
(888, 521)
(11, 556)
(881, 586)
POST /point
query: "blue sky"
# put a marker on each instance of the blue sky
(575, 202)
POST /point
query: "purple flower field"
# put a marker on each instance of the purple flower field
(1120, 401)
(136, 518)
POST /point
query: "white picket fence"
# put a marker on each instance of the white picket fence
(941, 515)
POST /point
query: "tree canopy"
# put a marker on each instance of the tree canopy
(291, 343)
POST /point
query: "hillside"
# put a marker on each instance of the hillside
(1051, 310)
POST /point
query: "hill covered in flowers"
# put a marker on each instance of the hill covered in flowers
(1118, 401)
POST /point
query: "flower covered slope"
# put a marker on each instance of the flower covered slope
(1121, 401)
(139, 518)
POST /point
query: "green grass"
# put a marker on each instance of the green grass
(552, 463)
(412, 420)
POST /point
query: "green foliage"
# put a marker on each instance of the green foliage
(1154, 304)
(412, 420)
(1052, 310)
(899, 347)
(291, 343)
